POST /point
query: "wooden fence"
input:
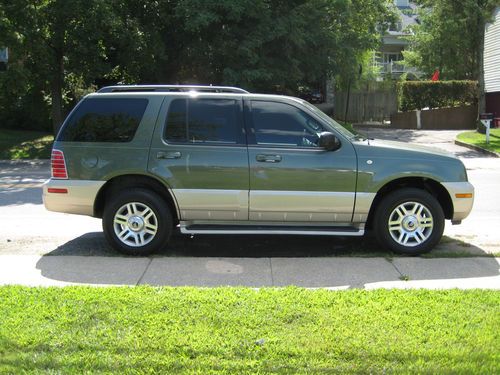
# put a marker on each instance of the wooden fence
(367, 106)
(437, 119)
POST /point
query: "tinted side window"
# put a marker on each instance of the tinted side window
(104, 120)
(203, 121)
(281, 124)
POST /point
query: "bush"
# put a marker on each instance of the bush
(436, 94)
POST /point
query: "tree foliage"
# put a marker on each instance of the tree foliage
(60, 45)
(61, 49)
(449, 37)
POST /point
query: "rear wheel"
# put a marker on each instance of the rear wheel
(137, 222)
(409, 221)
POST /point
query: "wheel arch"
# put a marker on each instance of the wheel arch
(122, 182)
(431, 186)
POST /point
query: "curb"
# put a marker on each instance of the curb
(477, 148)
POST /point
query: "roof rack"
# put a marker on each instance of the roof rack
(171, 88)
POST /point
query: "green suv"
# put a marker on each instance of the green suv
(220, 160)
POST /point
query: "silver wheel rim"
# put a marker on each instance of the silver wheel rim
(135, 224)
(410, 224)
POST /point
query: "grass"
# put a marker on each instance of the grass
(242, 330)
(478, 139)
(24, 144)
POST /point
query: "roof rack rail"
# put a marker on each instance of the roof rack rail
(171, 88)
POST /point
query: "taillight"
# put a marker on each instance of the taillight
(58, 165)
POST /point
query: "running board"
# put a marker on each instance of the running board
(271, 229)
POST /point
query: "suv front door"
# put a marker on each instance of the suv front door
(199, 150)
(291, 178)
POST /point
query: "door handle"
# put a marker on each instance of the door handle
(168, 155)
(263, 158)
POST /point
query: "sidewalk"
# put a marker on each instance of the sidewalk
(318, 272)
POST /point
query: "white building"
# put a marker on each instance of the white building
(393, 41)
(492, 65)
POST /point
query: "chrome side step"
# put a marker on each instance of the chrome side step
(271, 229)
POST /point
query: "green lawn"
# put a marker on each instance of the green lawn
(478, 139)
(25, 144)
(242, 330)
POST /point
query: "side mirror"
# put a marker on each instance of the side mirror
(328, 141)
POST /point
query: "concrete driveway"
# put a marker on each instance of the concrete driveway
(38, 247)
(442, 139)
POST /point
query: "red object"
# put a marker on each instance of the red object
(56, 190)
(58, 165)
(435, 76)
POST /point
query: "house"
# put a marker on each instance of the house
(393, 42)
(492, 66)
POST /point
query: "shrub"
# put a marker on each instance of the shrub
(435, 94)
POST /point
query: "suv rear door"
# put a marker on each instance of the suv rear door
(291, 178)
(199, 149)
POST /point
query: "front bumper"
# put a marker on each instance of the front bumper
(71, 196)
(462, 196)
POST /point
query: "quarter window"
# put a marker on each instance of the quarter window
(104, 120)
(280, 124)
(203, 121)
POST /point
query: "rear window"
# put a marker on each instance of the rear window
(203, 121)
(104, 120)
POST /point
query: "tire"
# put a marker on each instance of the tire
(137, 222)
(409, 221)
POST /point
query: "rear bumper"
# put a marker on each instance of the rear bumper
(71, 196)
(462, 196)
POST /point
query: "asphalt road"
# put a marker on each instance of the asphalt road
(27, 228)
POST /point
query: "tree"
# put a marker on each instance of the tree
(69, 46)
(272, 45)
(62, 43)
(450, 38)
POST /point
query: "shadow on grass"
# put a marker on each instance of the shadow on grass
(20, 144)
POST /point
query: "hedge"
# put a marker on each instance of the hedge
(414, 95)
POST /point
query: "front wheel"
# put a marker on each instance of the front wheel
(409, 221)
(137, 222)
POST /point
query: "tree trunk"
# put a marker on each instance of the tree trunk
(347, 100)
(56, 86)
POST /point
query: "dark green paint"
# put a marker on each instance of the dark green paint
(236, 168)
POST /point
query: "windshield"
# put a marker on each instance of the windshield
(346, 133)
